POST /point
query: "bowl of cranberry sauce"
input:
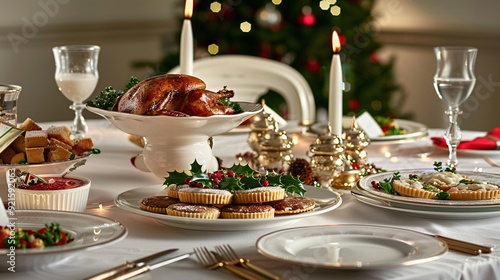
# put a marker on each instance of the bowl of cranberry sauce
(68, 193)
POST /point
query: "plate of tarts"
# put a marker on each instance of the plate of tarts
(130, 200)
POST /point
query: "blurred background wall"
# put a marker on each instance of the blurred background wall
(130, 31)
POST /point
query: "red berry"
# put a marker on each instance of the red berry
(187, 180)
(216, 181)
(230, 173)
(265, 183)
(192, 184)
(242, 176)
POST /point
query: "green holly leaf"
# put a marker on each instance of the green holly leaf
(202, 178)
(196, 168)
(251, 182)
(231, 184)
(293, 184)
(177, 178)
(242, 169)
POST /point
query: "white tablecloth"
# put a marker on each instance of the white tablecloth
(111, 173)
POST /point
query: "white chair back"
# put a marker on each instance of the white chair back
(251, 77)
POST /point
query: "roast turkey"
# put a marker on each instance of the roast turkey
(173, 95)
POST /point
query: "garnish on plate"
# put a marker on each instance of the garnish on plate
(107, 98)
(442, 184)
(234, 178)
(389, 126)
(48, 236)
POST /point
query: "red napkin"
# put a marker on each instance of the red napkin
(488, 142)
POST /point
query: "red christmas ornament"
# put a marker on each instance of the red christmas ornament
(265, 51)
(313, 65)
(342, 39)
(353, 104)
(307, 18)
(374, 58)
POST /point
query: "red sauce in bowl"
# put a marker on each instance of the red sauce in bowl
(56, 183)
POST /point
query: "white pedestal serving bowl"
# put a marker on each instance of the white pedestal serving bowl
(173, 143)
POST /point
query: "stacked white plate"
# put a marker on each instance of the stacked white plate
(428, 208)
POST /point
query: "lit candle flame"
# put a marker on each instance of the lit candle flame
(188, 9)
(335, 42)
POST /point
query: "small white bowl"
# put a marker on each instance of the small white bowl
(73, 199)
(58, 167)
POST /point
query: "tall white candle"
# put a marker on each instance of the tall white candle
(186, 48)
(335, 88)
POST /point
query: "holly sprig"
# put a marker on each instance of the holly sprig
(236, 177)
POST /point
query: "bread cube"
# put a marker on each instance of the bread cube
(18, 158)
(58, 153)
(29, 125)
(7, 154)
(83, 145)
(61, 133)
(36, 138)
(35, 155)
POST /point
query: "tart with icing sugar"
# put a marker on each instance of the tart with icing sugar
(193, 211)
(247, 211)
(292, 205)
(258, 195)
(173, 190)
(205, 196)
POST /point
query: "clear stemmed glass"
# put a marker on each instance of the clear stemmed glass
(76, 76)
(454, 81)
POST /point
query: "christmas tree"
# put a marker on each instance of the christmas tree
(299, 33)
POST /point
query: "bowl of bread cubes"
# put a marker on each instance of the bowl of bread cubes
(42, 150)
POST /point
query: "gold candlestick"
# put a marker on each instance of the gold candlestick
(327, 158)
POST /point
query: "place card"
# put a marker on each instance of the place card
(369, 125)
(8, 134)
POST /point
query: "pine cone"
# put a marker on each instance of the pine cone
(301, 168)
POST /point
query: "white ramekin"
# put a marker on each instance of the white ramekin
(74, 199)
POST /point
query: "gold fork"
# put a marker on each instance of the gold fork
(230, 255)
(209, 261)
(490, 161)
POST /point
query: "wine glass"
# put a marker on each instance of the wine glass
(453, 82)
(76, 76)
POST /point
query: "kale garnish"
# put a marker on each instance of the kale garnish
(386, 184)
(106, 99)
(438, 166)
(443, 196)
(235, 105)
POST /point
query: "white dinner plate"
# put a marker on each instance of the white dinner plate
(89, 232)
(351, 246)
(428, 208)
(365, 185)
(414, 131)
(130, 201)
(426, 212)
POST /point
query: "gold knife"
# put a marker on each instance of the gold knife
(129, 265)
(145, 268)
(464, 246)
